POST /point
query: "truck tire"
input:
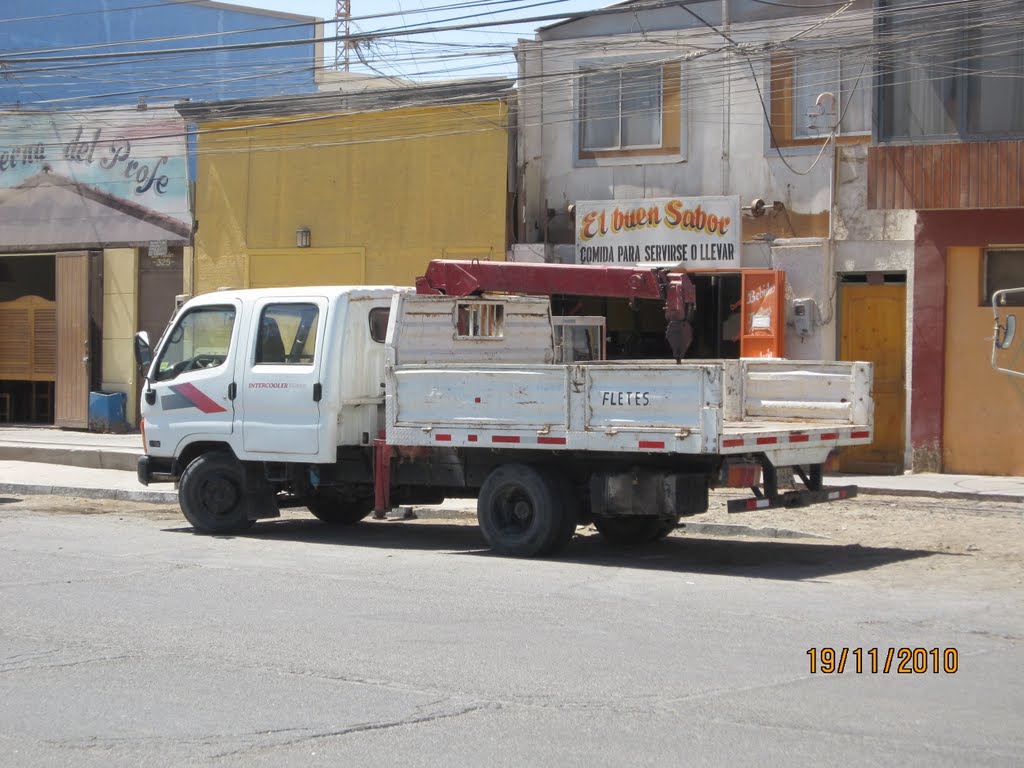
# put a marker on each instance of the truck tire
(635, 529)
(520, 511)
(338, 511)
(211, 494)
(570, 509)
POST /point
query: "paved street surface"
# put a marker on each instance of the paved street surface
(125, 640)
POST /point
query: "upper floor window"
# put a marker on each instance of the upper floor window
(813, 92)
(949, 72)
(628, 110)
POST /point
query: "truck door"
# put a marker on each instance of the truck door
(191, 378)
(280, 395)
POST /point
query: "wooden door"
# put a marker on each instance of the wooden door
(74, 353)
(873, 328)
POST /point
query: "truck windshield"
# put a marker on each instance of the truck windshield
(200, 339)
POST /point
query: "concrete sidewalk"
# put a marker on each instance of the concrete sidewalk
(65, 462)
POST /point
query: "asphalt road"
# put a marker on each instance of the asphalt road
(127, 640)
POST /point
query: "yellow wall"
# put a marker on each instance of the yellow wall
(983, 409)
(382, 193)
(120, 320)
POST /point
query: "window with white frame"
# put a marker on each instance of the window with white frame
(628, 109)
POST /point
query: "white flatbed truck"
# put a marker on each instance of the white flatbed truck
(347, 399)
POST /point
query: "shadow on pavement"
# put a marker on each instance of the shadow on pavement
(9, 500)
(787, 560)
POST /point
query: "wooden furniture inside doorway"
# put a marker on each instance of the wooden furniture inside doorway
(28, 353)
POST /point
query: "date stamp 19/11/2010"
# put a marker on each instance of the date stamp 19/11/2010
(872, 661)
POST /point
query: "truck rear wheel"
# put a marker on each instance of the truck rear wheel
(633, 530)
(211, 494)
(569, 507)
(338, 511)
(520, 511)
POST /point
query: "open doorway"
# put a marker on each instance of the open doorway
(637, 331)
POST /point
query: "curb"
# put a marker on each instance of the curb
(69, 456)
(113, 494)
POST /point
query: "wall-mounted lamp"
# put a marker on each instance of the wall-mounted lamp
(302, 237)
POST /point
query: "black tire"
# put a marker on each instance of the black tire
(211, 494)
(519, 511)
(338, 511)
(570, 511)
(634, 530)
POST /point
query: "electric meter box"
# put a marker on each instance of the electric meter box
(804, 311)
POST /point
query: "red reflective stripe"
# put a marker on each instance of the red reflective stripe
(443, 438)
(198, 398)
(767, 440)
(731, 443)
(829, 435)
(752, 504)
(476, 399)
(856, 435)
(472, 438)
(551, 440)
(799, 438)
(651, 444)
(504, 438)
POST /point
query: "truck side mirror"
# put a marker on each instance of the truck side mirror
(1005, 333)
(143, 353)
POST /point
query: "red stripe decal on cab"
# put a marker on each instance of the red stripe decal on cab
(198, 398)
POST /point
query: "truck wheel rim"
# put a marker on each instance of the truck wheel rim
(515, 512)
(219, 496)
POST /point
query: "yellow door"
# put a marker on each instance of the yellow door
(873, 328)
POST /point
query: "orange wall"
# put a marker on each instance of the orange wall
(983, 410)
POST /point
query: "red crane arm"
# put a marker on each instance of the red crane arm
(464, 278)
(675, 289)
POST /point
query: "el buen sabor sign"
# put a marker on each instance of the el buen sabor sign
(694, 231)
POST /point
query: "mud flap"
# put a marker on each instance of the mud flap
(259, 496)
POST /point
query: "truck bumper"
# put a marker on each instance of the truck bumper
(154, 469)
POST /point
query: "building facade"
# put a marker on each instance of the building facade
(349, 189)
(95, 179)
(795, 111)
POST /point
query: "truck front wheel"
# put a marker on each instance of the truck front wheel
(519, 510)
(633, 530)
(211, 494)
